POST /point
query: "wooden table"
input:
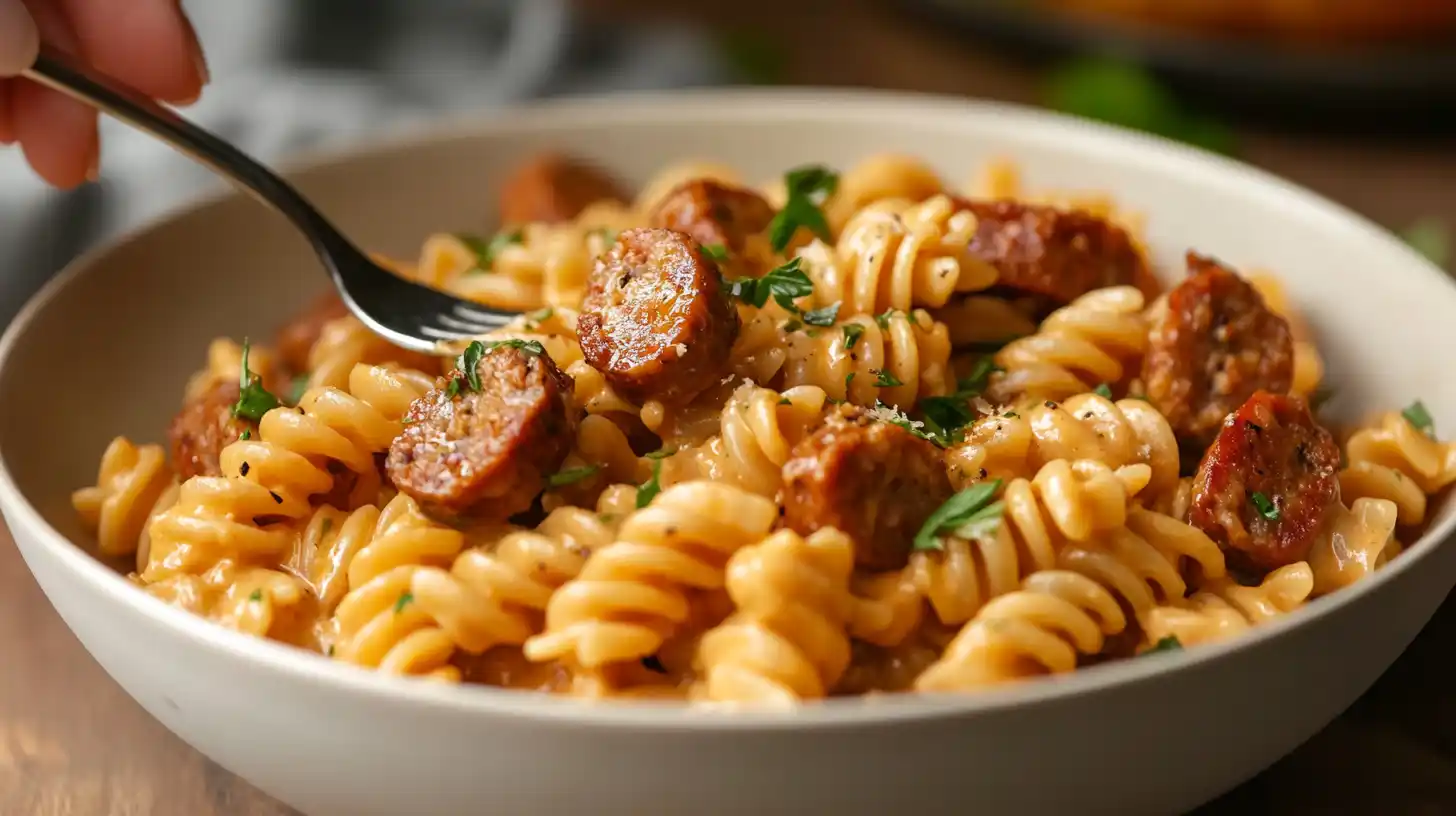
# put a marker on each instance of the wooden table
(73, 744)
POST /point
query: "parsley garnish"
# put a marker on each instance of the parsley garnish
(470, 364)
(852, 333)
(662, 453)
(884, 379)
(883, 318)
(1265, 507)
(893, 416)
(945, 416)
(648, 490)
(807, 188)
(257, 596)
(785, 401)
(822, 317)
(792, 325)
(486, 250)
(972, 506)
(1011, 415)
(253, 399)
(1167, 644)
(452, 388)
(246, 434)
(405, 599)
(529, 346)
(1417, 415)
(1104, 391)
(980, 376)
(571, 476)
(785, 283)
(848, 378)
(717, 252)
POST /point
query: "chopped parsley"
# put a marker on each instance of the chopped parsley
(661, 454)
(979, 378)
(884, 379)
(1265, 507)
(946, 416)
(822, 317)
(807, 189)
(405, 599)
(452, 388)
(792, 325)
(1167, 644)
(253, 399)
(717, 252)
(470, 364)
(893, 416)
(486, 250)
(970, 508)
(785, 284)
(257, 596)
(848, 378)
(785, 401)
(648, 490)
(1104, 391)
(852, 333)
(1419, 418)
(883, 318)
(532, 347)
(571, 476)
(246, 434)
(1011, 415)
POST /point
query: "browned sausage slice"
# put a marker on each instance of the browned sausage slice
(656, 320)
(1055, 255)
(1216, 344)
(1268, 482)
(486, 451)
(872, 480)
(551, 187)
(205, 426)
(298, 336)
(713, 213)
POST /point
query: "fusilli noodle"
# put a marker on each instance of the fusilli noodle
(1392, 459)
(1079, 346)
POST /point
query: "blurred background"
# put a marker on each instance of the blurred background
(1350, 97)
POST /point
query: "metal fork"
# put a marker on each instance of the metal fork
(407, 314)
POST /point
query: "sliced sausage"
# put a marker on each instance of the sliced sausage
(1268, 482)
(1214, 346)
(714, 213)
(657, 320)
(872, 480)
(297, 337)
(205, 426)
(1055, 255)
(551, 187)
(486, 452)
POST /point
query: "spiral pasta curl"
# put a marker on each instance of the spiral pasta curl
(1085, 343)
(225, 364)
(758, 428)
(346, 343)
(1361, 539)
(129, 483)
(897, 254)
(1224, 609)
(497, 595)
(894, 358)
(1392, 459)
(1067, 501)
(378, 624)
(984, 320)
(290, 456)
(214, 520)
(888, 607)
(787, 641)
(1085, 426)
(633, 593)
(257, 601)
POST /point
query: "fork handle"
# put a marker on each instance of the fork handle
(70, 76)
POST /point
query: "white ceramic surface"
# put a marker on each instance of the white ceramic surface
(105, 350)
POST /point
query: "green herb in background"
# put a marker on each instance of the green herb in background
(1432, 238)
(1127, 95)
(1167, 644)
(753, 57)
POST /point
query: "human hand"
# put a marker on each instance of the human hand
(148, 44)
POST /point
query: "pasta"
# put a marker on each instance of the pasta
(941, 448)
(1077, 348)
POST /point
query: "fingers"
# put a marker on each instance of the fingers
(58, 133)
(18, 38)
(148, 44)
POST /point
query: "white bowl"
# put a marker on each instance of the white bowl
(106, 348)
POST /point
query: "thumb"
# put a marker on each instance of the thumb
(19, 41)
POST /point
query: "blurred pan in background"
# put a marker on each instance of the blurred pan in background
(1365, 66)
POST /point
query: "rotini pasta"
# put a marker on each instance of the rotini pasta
(787, 641)
(1082, 345)
(947, 522)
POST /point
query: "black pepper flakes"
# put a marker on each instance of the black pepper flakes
(276, 498)
(654, 664)
(243, 469)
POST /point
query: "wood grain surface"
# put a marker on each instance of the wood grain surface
(73, 744)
